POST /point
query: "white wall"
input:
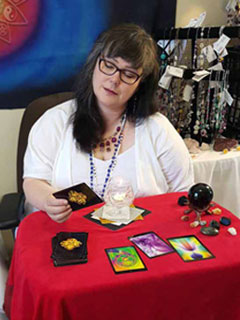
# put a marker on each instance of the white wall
(9, 129)
(215, 10)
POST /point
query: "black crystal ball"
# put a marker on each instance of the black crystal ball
(200, 196)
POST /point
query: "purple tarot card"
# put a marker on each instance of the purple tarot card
(151, 244)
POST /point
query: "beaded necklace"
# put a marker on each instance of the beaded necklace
(105, 144)
(113, 162)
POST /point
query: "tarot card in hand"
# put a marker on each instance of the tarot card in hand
(190, 248)
(151, 244)
(125, 259)
(79, 196)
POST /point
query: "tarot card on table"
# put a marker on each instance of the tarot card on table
(151, 244)
(190, 248)
(125, 259)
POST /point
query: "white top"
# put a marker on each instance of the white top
(162, 162)
(125, 168)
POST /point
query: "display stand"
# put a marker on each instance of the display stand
(217, 119)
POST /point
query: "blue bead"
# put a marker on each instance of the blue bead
(163, 56)
(225, 221)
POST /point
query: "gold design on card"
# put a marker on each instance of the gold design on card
(70, 243)
(78, 197)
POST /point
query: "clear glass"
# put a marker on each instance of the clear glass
(119, 192)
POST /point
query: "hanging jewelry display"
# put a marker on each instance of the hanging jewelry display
(233, 13)
(186, 57)
(196, 126)
(163, 54)
(171, 102)
(220, 124)
(200, 59)
(208, 103)
(223, 123)
(171, 48)
(200, 112)
(220, 101)
(195, 50)
(166, 51)
(174, 107)
(204, 113)
(177, 49)
(214, 114)
(162, 101)
(206, 54)
(184, 111)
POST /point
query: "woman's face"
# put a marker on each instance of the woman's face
(110, 91)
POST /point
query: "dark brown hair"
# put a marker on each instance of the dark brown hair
(133, 44)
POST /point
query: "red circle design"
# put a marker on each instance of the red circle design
(18, 18)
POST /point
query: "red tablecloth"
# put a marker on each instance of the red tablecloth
(170, 289)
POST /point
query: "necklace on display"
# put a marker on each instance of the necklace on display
(113, 162)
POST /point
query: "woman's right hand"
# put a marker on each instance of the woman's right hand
(58, 210)
(40, 195)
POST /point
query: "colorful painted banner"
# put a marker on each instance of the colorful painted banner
(43, 43)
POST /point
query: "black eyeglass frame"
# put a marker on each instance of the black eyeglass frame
(120, 71)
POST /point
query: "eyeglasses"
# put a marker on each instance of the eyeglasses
(109, 68)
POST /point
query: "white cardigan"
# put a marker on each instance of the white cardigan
(162, 161)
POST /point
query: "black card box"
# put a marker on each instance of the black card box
(62, 256)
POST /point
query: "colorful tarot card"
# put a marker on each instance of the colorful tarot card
(151, 244)
(79, 196)
(190, 248)
(125, 259)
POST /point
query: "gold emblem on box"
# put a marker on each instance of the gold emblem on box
(70, 243)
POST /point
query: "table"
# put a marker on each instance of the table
(222, 173)
(169, 289)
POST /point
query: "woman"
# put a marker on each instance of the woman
(111, 128)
